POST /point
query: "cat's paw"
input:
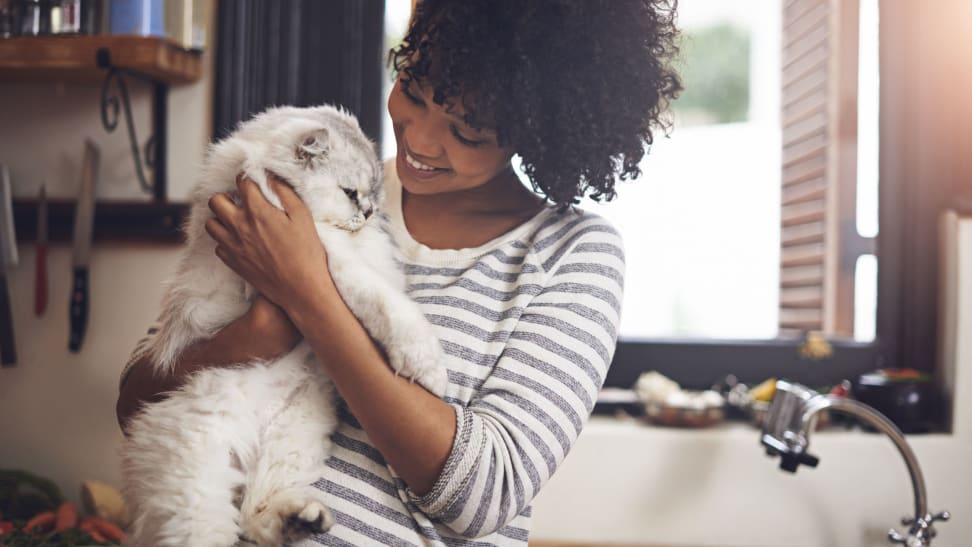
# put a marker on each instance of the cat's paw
(286, 519)
(312, 519)
(420, 359)
(435, 379)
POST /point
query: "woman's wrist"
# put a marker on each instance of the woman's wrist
(313, 309)
(274, 334)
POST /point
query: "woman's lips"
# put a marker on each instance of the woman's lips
(409, 163)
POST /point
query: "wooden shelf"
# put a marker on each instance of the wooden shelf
(113, 221)
(74, 58)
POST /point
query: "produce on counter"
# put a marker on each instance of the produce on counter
(105, 502)
(666, 403)
(33, 513)
(764, 391)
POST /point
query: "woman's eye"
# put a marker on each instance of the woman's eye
(463, 140)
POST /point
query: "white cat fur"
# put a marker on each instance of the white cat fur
(233, 453)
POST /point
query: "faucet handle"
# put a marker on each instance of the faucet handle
(921, 534)
(895, 537)
(790, 461)
(929, 518)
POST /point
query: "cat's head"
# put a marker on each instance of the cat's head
(322, 152)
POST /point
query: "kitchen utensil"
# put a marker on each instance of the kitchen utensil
(40, 257)
(8, 259)
(83, 224)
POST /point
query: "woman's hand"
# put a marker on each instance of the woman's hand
(278, 252)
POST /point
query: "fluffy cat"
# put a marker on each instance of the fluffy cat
(232, 455)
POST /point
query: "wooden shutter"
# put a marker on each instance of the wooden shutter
(819, 242)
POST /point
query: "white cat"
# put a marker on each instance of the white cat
(232, 455)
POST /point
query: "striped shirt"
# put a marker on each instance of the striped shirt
(529, 323)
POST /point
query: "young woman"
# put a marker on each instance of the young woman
(523, 288)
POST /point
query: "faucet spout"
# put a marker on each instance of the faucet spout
(793, 415)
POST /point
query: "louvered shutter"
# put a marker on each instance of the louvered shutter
(819, 162)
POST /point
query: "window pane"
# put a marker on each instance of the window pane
(702, 225)
(868, 101)
(865, 298)
(397, 13)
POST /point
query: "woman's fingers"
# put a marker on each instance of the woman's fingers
(255, 203)
(288, 197)
(220, 233)
(253, 199)
(225, 210)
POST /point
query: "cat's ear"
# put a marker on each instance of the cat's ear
(313, 147)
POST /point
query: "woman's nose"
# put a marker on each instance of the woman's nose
(422, 140)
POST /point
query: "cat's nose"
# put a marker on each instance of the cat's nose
(367, 212)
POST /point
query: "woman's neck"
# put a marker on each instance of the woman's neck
(469, 218)
(503, 194)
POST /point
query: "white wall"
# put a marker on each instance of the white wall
(626, 482)
(57, 408)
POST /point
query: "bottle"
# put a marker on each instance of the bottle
(142, 17)
(34, 17)
(65, 16)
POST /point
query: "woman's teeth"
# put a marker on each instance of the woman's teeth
(417, 164)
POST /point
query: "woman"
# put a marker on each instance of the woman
(523, 289)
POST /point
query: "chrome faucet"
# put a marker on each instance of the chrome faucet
(786, 433)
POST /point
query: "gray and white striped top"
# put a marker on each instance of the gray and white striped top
(529, 323)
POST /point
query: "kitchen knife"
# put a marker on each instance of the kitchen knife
(83, 223)
(8, 259)
(40, 257)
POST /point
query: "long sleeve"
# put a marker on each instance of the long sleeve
(516, 430)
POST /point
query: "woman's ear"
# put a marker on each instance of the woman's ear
(313, 148)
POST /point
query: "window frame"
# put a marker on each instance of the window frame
(907, 246)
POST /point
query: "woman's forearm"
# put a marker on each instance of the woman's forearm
(256, 334)
(413, 429)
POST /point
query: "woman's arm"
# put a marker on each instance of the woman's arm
(263, 332)
(413, 429)
(280, 254)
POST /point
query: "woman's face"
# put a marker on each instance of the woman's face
(437, 151)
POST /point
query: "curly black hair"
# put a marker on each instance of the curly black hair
(575, 87)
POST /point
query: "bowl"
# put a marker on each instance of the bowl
(684, 416)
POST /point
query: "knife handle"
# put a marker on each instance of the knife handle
(79, 308)
(40, 280)
(8, 353)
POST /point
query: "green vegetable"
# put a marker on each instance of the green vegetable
(66, 538)
(23, 494)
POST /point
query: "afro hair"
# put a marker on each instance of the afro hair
(575, 88)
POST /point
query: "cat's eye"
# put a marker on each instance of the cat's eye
(352, 194)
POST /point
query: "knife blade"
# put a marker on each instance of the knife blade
(8, 259)
(40, 257)
(83, 224)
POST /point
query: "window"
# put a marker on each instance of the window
(747, 216)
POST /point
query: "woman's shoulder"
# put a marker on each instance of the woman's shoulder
(572, 232)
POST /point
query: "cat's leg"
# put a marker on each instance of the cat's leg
(389, 315)
(280, 504)
(180, 472)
